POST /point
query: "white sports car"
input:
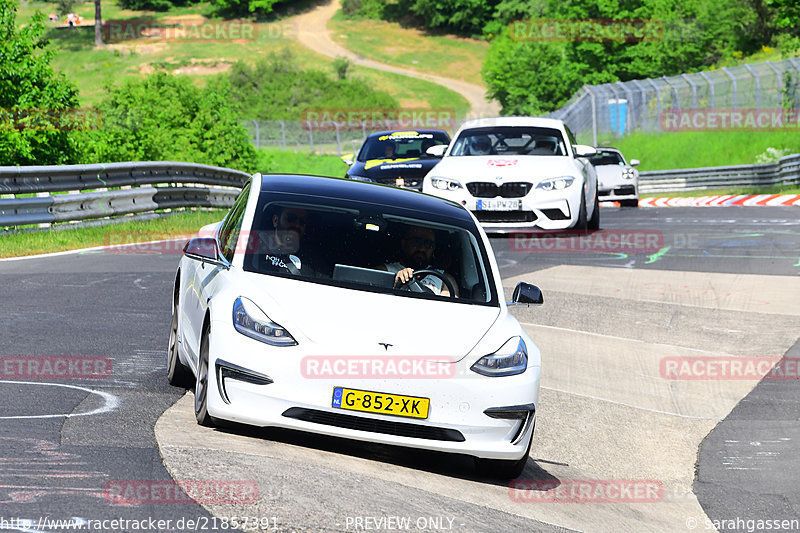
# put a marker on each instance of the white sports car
(617, 180)
(356, 310)
(518, 172)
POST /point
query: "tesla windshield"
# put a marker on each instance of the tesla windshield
(509, 140)
(377, 249)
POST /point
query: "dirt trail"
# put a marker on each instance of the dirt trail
(312, 32)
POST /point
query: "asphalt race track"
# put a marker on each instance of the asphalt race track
(655, 287)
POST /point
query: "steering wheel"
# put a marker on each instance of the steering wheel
(419, 274)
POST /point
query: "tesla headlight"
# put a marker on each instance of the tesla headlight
(251, 321)
(555, 184)
(445, 184)
(510, 359)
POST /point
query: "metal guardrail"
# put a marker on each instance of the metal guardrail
(91, 198)
(785, 172)
(222, 185)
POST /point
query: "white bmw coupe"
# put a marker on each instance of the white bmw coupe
(356, 310)
(518, 173)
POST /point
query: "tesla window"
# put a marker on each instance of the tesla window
(365, 248)
(511, 140)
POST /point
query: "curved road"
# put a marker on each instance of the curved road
(312, 32)
(717, 282)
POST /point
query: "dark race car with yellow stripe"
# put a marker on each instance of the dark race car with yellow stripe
(397, 157)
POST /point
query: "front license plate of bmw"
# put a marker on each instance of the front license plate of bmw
(499, 204)
(380, 402)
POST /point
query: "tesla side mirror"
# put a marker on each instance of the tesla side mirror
(525, 293)
(634, 162)
(437, 151)
(582, 150)
(205, 249)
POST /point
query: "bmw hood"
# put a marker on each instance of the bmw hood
(328, 320)
(525, 167)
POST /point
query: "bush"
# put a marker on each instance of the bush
(276, 88)
(165, 117)
(30, 86)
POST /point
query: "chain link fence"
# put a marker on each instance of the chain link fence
(613, 109)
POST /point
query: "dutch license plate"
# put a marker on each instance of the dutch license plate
(499, 204)
(380, 402)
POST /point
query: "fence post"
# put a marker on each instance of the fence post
(258, 136)
(338, 144)
(758, 86)
(283, 133)
(629, 107)
(694, 89)
(594, 115)
(710, 88)
(643, 92)
(658, 100)
(674, 92)
(733, 79)
(310, 135)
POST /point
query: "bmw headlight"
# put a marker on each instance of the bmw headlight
(556, 184)
(251, 321)
(510, 359)
(445, 184)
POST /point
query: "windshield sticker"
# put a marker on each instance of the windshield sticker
(406, 135)
(502, 162)
(376, 162)
(401, 165)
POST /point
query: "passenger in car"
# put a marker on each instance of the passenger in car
(282, 246)
(417, 249)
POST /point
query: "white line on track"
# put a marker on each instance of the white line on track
(110, 401)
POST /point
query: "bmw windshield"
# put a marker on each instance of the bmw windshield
(509, 140)
(364, 247)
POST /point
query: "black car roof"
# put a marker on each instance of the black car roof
(418, 130)
(368, 193)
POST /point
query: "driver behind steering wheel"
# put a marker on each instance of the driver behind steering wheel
(416, 251)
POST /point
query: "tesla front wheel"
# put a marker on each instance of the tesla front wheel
(201, 384)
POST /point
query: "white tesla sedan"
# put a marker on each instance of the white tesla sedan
(356, 310)
(518, 173)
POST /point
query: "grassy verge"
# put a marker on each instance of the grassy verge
(388, 42)
(93, 68)
(722, 192)
(702, 149)
(288, 162)
(17, 244)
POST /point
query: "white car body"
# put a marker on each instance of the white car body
(262, 382)
(518, 174)
(618, 181)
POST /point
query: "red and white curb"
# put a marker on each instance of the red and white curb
(764, 200)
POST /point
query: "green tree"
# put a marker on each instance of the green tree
(165, 117)
(34, 100)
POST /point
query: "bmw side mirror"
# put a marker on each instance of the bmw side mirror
(525, 293)
(437, 151)
(582, 150)
(205, 249)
